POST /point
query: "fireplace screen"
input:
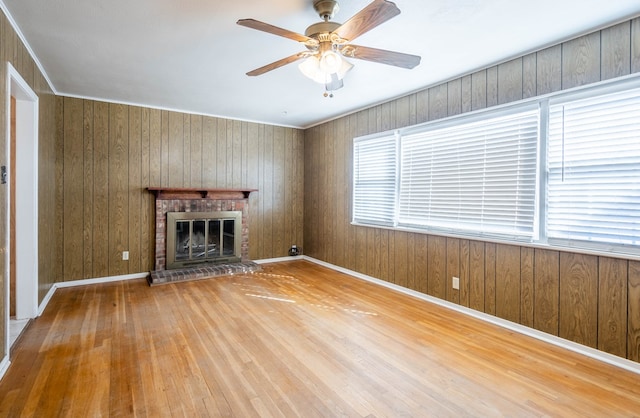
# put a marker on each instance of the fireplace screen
(203, 237)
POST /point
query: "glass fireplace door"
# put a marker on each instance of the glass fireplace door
(209, 237)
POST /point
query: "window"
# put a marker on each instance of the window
(561, 171)
(477, 177)
(594, 170)
(374, 195)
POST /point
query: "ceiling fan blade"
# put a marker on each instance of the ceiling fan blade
(397, 59)
(265, 27)
(278, 64)
(376, 13)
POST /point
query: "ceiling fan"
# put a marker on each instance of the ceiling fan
(327, 42)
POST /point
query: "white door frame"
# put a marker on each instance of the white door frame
(26, 198)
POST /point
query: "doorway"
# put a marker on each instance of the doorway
(21, 264)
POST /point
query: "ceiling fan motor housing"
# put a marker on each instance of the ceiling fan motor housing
(319, 28)
(326, 8)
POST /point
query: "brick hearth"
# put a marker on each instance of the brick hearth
(198, 200)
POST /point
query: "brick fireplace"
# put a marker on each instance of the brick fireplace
(172, 200)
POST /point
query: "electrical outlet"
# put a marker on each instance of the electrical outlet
(455, 281)
(125, 255)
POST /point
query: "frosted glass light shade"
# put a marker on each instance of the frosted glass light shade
(326, 69)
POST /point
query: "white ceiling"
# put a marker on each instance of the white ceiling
(190, 55)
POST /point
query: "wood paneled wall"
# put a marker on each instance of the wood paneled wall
(13, 50)
(111, 153)
(591, 300)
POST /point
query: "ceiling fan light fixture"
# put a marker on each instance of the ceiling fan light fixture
(331, 62)
(326, 70)
(310, 67)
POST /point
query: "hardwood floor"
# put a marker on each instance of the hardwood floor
(295, 340)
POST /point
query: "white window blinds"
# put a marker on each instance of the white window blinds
(478, 177)
(594, 170)
(374, 188)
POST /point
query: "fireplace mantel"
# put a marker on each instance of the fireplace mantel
(169, 193)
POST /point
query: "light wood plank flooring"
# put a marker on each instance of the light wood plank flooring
(295, 340)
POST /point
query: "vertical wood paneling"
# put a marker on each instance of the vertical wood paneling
(411, 262)
(186, 150)
(245, 154)
(529, 71)
(526, 286)
(454, 97)
(361, 249)
(73, 196)
(466, 93)
(635, 45)
(175, 157)
(310, 186)
(438, 102)
(136, 191)
(195, 151)
(633, 327)
(88, 188)
(421, 260)
(101, 184)
(147, 207)
(155, 147)
(400, 259)
(612, 306)
(476, 276)
(490, 278)
(464, 272)
(266, 190)
(341, 196)
(422, 106)
(549, 70)
(546, 291)
(209, 152)
(386, 246)
(453, 269)
(118, 217)
(413, 109)
(581, 61)
(492, 86)
(437, 269)
(402, 114)
(479, 90)
(253, 158)
(616, 44)
(165, 162)
(510, 81)
(221, 151)
(374, 253)
(351, 236)
(278, 180)
(59, 195)
(236, 158)
(508, 282)
(579, 298)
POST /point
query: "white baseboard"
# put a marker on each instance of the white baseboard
(46, 299)
(279, 259)
(108, 279)
(4, 366)
(623, 363)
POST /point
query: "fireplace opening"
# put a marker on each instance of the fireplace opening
(195, 238)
